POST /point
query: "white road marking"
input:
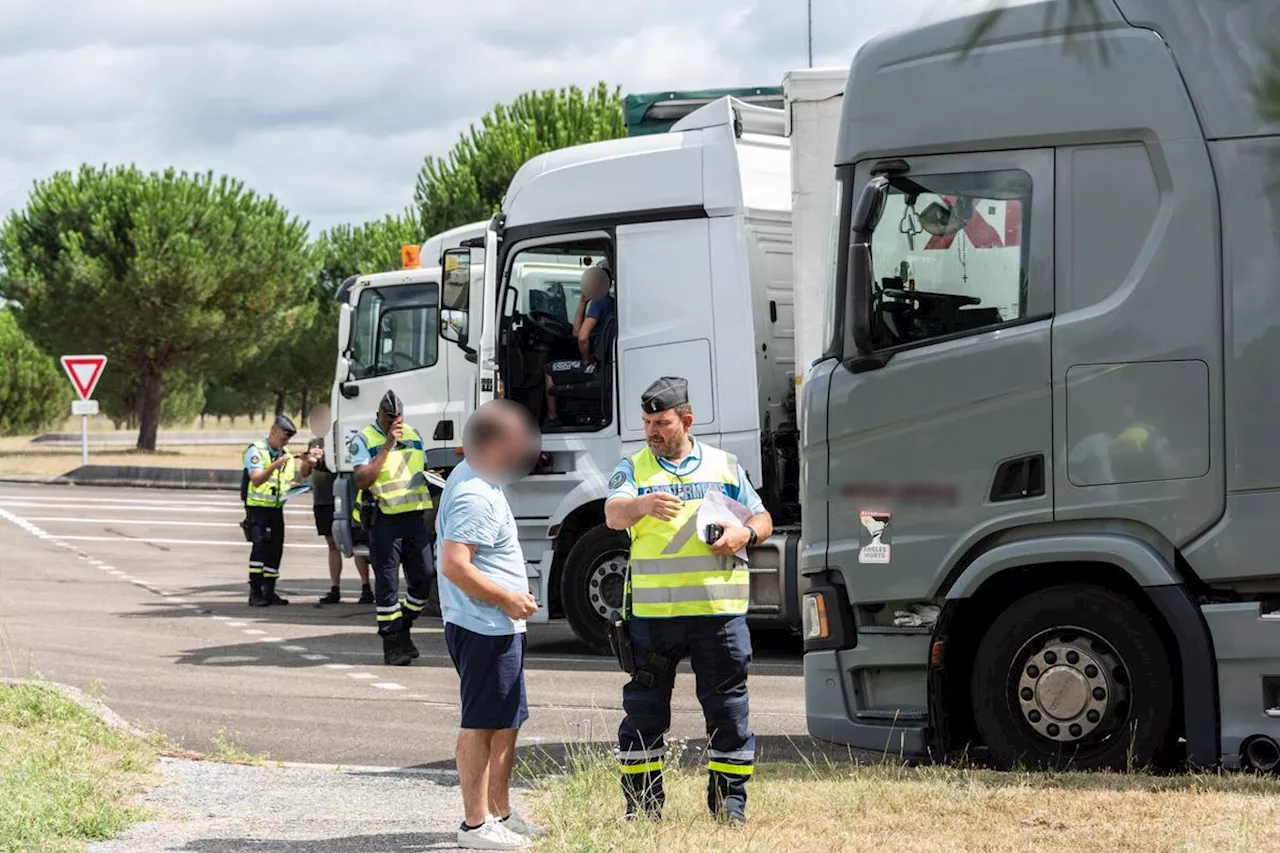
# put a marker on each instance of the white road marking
(337, 666)
(125, 540)
(387, 685)
(190, 607)
(254, 631)
(315, 657)
(294, 648)
(235, 624)
(220, 618)
(362, 676)
(134, 506)
(154, 522)
(270, 639)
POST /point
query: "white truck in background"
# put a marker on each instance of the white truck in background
(695, 225)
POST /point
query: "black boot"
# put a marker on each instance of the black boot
(366, 594)
(256, 598)
(269, 592)
(333, 597)
(409, 647)
(394, 652)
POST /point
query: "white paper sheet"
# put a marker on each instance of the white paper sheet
(718, 508)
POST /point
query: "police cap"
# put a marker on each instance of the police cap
(285, 425)
(667, 393)
(391, 405)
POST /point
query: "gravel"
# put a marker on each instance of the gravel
(212, 807)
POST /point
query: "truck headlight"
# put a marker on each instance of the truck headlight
(814, 617)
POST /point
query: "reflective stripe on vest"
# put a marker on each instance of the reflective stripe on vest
(269, 493)
(391, 490)
(673, 572)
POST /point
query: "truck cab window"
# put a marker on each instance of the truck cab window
(396, 329)
(949, 255)
(560, 323)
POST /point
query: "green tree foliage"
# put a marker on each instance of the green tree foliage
(33, 392)
(169, 274)
(470, 182)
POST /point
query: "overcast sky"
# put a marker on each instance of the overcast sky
(332, 105)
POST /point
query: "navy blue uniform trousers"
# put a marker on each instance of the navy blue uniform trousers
(719, 650)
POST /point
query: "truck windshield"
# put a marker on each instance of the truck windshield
(395, 329)
(948, 255)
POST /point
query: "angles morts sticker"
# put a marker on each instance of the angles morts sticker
(874, 537)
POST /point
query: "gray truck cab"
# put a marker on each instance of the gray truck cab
(1040, 448)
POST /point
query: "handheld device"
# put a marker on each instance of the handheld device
(712, 533)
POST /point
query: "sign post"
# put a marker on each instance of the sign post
(84, 371)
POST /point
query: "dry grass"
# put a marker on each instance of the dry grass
(797, 809)
(19, 456)
(65, 776)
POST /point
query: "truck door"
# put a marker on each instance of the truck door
(940, 431)
(394, 344)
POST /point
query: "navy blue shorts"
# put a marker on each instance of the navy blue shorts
(492, 673)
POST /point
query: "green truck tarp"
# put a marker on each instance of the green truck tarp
(655, 112)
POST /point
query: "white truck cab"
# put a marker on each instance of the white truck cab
(694, 226)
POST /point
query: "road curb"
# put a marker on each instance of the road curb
(84, 700)
(133, 476)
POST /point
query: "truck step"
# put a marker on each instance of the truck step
(890, 716)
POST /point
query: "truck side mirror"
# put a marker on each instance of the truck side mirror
(345, 313)
(866, 216)
(455, 296)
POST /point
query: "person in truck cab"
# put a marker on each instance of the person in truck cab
(595, 307)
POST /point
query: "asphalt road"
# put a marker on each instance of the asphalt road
(151, 614)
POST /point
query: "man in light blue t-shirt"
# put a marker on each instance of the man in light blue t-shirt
(485, 599)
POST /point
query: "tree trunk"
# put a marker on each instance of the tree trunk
(150, 399)
(279, 403)
(306, 404)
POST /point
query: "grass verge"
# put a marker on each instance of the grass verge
(65, 776)
(827, 807)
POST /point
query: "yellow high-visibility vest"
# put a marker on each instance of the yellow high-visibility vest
(391, 490)
(271, 491)
(673, 572)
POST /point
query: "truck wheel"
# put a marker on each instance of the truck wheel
(1073, 676)
(592, 584)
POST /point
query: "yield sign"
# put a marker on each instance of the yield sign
(84, 372)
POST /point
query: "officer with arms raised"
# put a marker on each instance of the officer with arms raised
(269, 472)
(386, 456)
(687, 597)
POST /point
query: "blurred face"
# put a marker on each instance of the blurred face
(510, 454)
(595, 283)
(666, 432)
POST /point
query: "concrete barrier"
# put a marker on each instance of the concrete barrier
(134, 476)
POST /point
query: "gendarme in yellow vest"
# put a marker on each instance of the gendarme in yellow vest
(391, 489)
(673, 572)
(270, 491)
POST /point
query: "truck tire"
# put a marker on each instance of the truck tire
(592, 583)
(1073, 677)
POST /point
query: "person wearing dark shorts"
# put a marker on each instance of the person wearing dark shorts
(595, 306)
(322, 507)
(485, 599)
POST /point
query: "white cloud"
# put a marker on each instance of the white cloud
(332, 105)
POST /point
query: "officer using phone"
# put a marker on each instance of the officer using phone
(269, 472)
(687, 596)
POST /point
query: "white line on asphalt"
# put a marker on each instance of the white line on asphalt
(337, 666)
(362, 676)
(314, 657)
(294, 648)
(205, 510)
(125, 540)
(387, 685)
(86, 499)
(254, 631)
(152, 521)
(270, 639)
(191, 607)
(235, 624)
(220, 618)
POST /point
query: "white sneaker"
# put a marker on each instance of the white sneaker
(517, 824)
(491, 835)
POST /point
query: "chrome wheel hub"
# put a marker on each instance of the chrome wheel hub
(1070, 683)
(607, 583)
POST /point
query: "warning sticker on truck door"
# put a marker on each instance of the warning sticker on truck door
(874, 537)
